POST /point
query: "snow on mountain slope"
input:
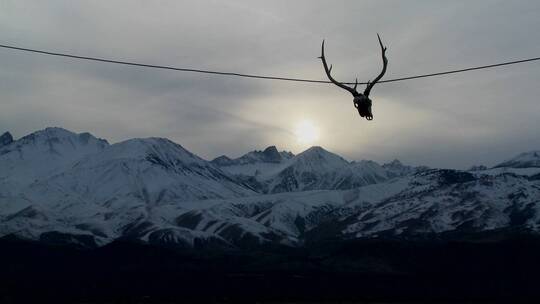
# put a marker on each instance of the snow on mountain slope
(281, 218)
(526, 164)
(359, 174)
(42, 154)
(233, 222)
(101, 193)
(254, 163)
(437, 201)
(152, 170)
(318, 159)
(270, 171)
(317, 168)
(523, 160)
(396, 168)
(429, 202)
(500, 170)
(308, 170)
(268, 155)
(58, 186)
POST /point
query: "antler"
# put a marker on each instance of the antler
(339, 84)
(385, 64)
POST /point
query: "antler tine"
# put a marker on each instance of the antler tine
(380, 42)
(385, 64)
(355, 83)
(328, 70)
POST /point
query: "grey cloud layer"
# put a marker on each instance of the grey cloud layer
(482, 116)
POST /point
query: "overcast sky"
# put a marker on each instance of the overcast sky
(480, 117)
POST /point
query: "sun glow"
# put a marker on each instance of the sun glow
(306, 132)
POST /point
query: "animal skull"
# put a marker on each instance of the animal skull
(363, 105)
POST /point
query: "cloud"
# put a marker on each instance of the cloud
(449, 121)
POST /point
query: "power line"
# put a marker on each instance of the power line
(257, 76)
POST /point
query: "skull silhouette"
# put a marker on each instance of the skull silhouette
(363, 105)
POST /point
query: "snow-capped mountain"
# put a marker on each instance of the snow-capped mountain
(427, 203)
(268, 155)
(154, 170)
(312, 169)
(59, 186)
(438, 201)
(525, 164)
(396, 168)
(523, 160)
(271, 171)
(42, 154)
(254, 163)
(319, 169)
(63, 174)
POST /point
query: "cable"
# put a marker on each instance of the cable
(257, 76)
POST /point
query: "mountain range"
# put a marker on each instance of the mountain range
(60, 187)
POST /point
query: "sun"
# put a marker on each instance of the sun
(306, 132)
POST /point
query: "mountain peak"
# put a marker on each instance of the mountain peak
(55, 135)
(45, 152)
(47, 132)
(269, 155)
(524, 160)
(395, 162)
(222, 160)
(151, 147)
(397, 168)
(318, 157)
(56, 129)
(6, 139)
(270, 149)
(54, 139)
(394, 165)
(316, 149)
